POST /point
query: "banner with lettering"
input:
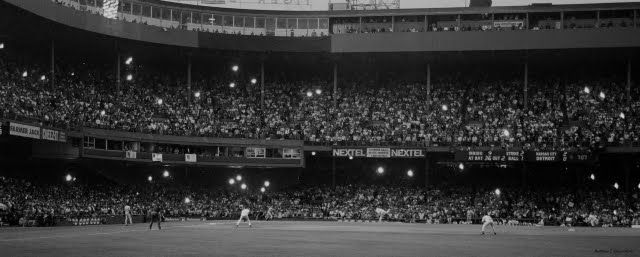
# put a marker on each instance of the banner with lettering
(48, 134)
(62, 137)
(21, 130)
(379, 152)
(190, 158)
(131, 155)
(156, 157)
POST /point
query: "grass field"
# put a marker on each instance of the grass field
(274, 238)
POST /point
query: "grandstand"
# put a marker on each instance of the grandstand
(437, 116)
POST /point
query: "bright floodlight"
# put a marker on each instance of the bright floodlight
(231, 181)
(150, 178)
(73, 73)
(243, 186)
(159, 101)
(266, 183)
(262, 189)
(615, 185)
(380, 170)
(68, 177)
(622, 115)
(43, 77)
(234, 68)
(497, 191)
(254, 81)
(313, 153)
(197, 94)
(350, 157)
(1, 45)
(592, 177)
(601, 95)
(638, 185)
(187, 200)
(586, 90)
(309, 94)
(461, 166)
(165, 174)
(239, 178)
(74, 178)
(318, 91)
(129, 77)
(129, 60)
(24, 74)
(506, 133)
(444, 107)
(615, 212)
(232, 85)
(410, 173)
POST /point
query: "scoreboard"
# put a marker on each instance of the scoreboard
(522, 156)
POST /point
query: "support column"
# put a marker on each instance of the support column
(262, 86)
(428, 85)
(333, 172)
(393, 23)
(597, 19)
(526, 84)
(189, 78)
(427, 169)
(335, 85)
(118, 76)
(629, 82)
(53, 64)
(561, 20)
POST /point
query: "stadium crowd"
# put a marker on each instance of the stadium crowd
(581, 114)
(47, 203)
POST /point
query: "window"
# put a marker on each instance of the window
(136, 9)
(126, 7)
(186, 17)
(227, 21)
(290, 153)
(249, 22)
(206, 19)
(165, 13)
(146, 11)
(282, 23)
(324, 23)
(254, 152)
(175, 15)
(260, 22)
(196, 17)
(155, 12)
(292, 23)
(303, 24)
(217, 20)
(89, 142)
(238, 21)
(313, 23)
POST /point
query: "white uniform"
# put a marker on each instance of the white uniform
(244, 215)
(127, 215)
(269, 214)
(381, 213)
(487, 220)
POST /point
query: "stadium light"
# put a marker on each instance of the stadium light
(68, 177)
(187, 200)
(616, 186)
(232, 85)
(150, 178)
(1, 45)
(318, 91)
(592, 177)
(165, 174)
(602, 95)
(497, 191)
(380, 170)
(506, 133)
(638, 185)
(309, 94)
(239, 178)
(410, 173)
(262, 190)
(197, 94)
(129, 60)
(234, 68)
(159, 101)
(444, 107)
(313, 153)
(461, 166)
(43, 77)
(254, 81)
(73, 74)
(24, 74)
(129, 77)
(622, 115)
(267, 184)
(350, 157)
(243, 186)
(74, 178)
(586, 90)
(231, 181)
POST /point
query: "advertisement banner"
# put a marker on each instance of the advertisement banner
(407, 153)
(190, 158)
(21, 130)
(156, 157)
(131, 155)
(380, 152)
(346, 152)
(62, 137)
(48, 134)
(508, 24)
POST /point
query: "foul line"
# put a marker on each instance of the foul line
(92, 234)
